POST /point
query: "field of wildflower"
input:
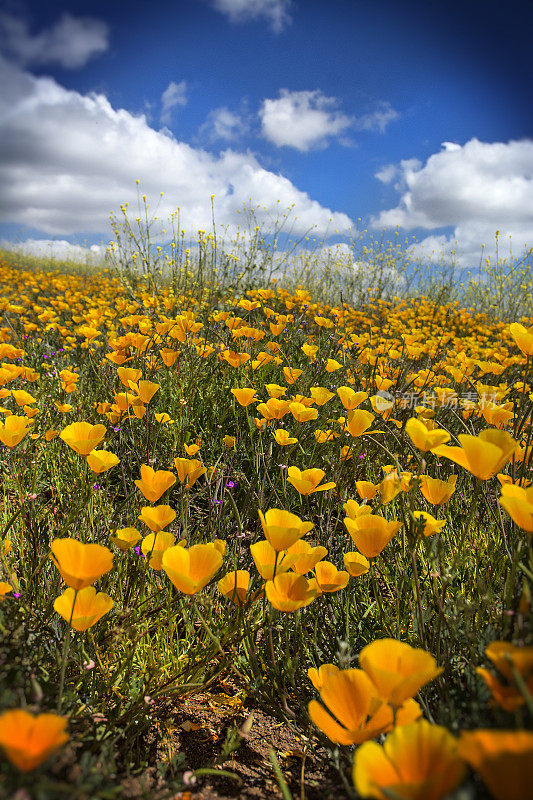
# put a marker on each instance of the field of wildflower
(243, 502)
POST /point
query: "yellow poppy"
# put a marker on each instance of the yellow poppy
(288, 591)
(13, 430)
(157, 517)
(504, 759)
(282, 529)
(270, 562)
(124, 538)
(189, 470)
(244, 396)
(518, 502)
(153, 484)
(397, 670)
(430, 524)
(482, 455)
(102, 460)
(371, 533)
(436, 491)
(417, 762)
(154, 545)
(28, 740)
(80, 564)
(307, 481)
(356, 564)
(354, 711)
(191, 569)
(83, 437)
(235, 586)
(84, 608)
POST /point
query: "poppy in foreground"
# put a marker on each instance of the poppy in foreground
(83, 609)
(83, 437)
(28, 740)
(80, 564)
(504, 759)
(354, 713)
(417, 762)
(482, 455)
(397, 670)
(13, 430)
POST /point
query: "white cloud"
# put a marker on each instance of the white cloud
(387, 173)
(221, 123)
(55, 249)
(174, 95)
(476, 188)
(276, 12)
(376, 120)
(70, 42)
(303, 120)
(69, 159)
(308, 119)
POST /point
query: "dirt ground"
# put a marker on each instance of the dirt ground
(197, 728)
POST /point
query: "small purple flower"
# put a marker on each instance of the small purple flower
(217, 502)
(230, 485)
(16, 595)
(137, 550)
(96, 486)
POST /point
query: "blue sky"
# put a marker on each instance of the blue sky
(338, 106)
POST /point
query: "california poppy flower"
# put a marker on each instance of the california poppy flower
(482, 455)
(189, 470)
(234, 585)
(423, 437)
(282, 528)
(288, 591)
(154, 545)
(397, 670)
(371, 533)
(191, 569)
(84, 608)
(83, 437)
(28, 740)
(157, 517)
(307, 481)
(13, 430)
(153, 484)
(102, 460)
(437, 491)
(80, 564)
(504, 759)
(417, 762)
(518, 502)
(354, 713)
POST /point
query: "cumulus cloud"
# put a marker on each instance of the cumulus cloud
(476, 189)
(303, 120)
(308, 120)
(70, 42)
(69, 159)
(376, 120)
(276, 12)
(174, 95)
(223, 124)
(56, 249)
